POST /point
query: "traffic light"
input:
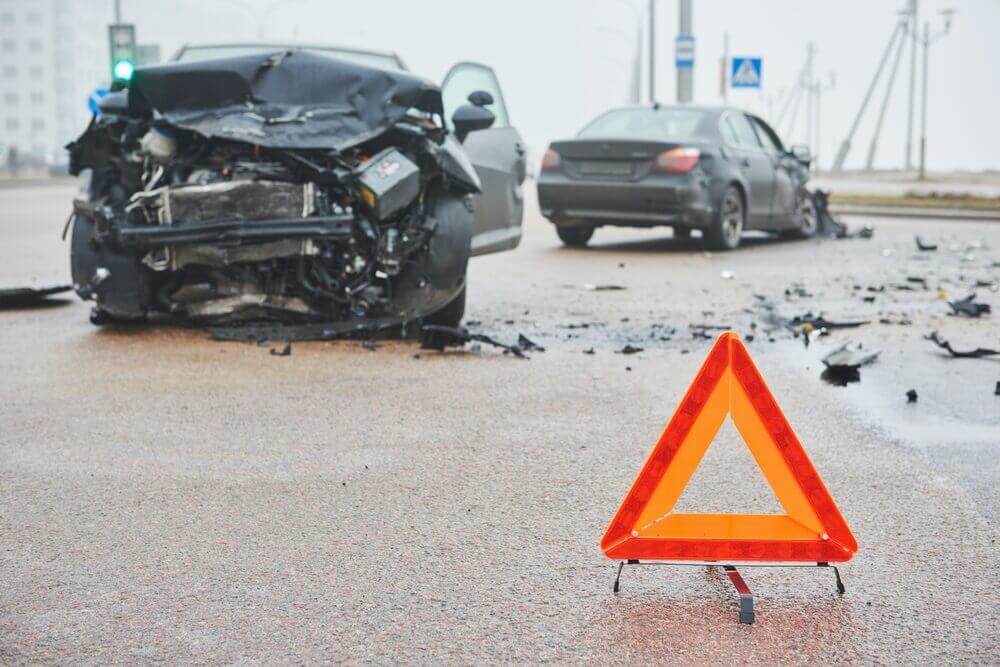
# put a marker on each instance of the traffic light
(123, 53)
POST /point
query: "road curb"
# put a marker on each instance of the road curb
(924, 213)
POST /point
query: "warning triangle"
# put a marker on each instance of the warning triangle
(746, 74)
(646, 527)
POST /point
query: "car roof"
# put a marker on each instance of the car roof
(293, 45)
(713, 109)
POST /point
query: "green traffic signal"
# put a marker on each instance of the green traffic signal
(123, 70)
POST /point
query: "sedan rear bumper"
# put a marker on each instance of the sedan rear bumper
(666, 199)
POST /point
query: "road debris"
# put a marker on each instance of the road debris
(590, 287)
(843, 364)
(528, 345)
(371, 344)
(27, 297)
(819, 322)
(438, 337)
(284, 352)
(996, 392)
(977, 353)
(727, 275)
(629, 349)
(924, 247)
(911, 395)
(969, 307)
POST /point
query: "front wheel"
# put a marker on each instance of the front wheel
(575, 237)
(452, 314)
(724, 232)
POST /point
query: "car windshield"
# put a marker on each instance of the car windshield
(650, 124)
(198, 53)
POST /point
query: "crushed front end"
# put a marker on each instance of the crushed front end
(292, 188)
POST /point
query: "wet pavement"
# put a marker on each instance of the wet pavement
(167, 497)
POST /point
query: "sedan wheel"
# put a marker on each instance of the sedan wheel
(725, 233)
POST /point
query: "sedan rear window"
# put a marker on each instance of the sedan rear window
(649, 124)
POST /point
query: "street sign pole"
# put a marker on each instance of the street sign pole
(724, 70)
(652, 51)
(685, 67)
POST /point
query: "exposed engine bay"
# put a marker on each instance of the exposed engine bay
(294, 188)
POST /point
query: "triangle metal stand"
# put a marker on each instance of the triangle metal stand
(746, 596)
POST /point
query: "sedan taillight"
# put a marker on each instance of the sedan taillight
(676, 160)
(551, 160)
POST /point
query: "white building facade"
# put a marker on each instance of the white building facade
(53, 54)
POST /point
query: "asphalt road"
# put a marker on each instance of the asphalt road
(165, 497)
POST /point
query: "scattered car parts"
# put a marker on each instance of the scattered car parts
(969, 307)
(27, 297)
(977, 353)
(843, 364)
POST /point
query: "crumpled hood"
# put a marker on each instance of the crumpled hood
(288, 99)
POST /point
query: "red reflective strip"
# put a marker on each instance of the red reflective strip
(652, 548)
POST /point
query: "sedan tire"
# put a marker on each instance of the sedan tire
(576, 236)
(724, 232)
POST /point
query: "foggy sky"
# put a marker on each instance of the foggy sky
(561, 62)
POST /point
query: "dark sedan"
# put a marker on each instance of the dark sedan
(716, 169)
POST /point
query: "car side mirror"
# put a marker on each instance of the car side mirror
(801, 153)
(469, 118)
(480, 98)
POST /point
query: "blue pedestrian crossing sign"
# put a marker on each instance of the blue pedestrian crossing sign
(745, 73)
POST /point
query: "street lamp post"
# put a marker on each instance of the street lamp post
(926, 42)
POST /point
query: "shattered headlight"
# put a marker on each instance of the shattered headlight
(387, 183)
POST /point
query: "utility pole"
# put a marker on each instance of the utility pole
(807, 83)
(818, 89)
(913, 29)
(652, 51)
(870, 162)
(685, 75)
(118, 11)
(838, 163)
(927, 41)
(724, 71)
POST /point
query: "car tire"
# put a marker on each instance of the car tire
(806, 217)
(725, 230)
(576, 236)
(451, 315)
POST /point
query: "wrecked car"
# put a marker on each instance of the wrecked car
(715, 169)
(293, 186)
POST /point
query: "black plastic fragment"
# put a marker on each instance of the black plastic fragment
(629, 349)
(26, 297)
(843, 364)
(528, 345)
(977, 353)
(924, 247)
(969, 307)
(283, 352)
(911, 395)
(820, 322)
(438, 337)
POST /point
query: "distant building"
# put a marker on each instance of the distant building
(53, 54)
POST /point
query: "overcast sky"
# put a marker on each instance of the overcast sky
(561, 62)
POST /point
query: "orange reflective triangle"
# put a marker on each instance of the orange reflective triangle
(646, 527)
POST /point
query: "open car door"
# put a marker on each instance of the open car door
(497, 154)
